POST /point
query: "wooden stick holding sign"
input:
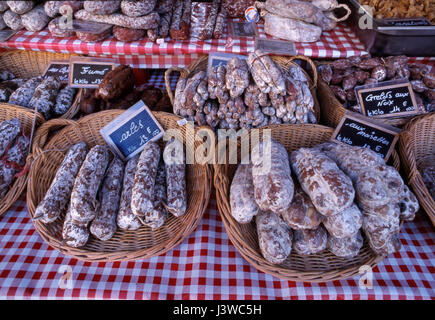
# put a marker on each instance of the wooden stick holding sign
(359, 131)
(128, 134)
(88, 73)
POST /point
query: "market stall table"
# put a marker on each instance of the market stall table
(338, 43)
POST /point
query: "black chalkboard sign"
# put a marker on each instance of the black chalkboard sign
(59, 69)
(386, 101)
(129, 133)
(88, 74)
(357, 131)
(243, 29)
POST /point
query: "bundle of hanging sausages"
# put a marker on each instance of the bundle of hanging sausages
(299, 21)
(344, 75)
(14, 148)
(132, 20)
(340, 189)
(246, 94)
(47, 95)
(100, 194)
(117, 91)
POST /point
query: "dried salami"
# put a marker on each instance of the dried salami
(64, 101)
(9, 129)
(137, 8)
(142, 199)
(174, 159)
(127, 34)
(126, 220)
(24, 94)
(102, 7)
(58, 195)
(44, 98)
(104, 225)
(83, 197)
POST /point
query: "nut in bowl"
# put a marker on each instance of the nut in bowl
(126, 243)
(319, 216)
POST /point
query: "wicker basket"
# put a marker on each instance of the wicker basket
(417, 149)
(125, 245)
(26, 118)
(332, 110)
(283, 62)
(28, 64)
(316, 268)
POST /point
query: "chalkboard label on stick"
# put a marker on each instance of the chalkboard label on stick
(128, 134)
(360, 131)
(386, 100)
(59, 69)
(88, 73)
(285, 48)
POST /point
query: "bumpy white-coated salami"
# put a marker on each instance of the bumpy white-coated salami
(8, 87)
(102, 7)
(64, 100)
(6, 75)
(210, 24)
(409, 205)
(344, 224)
(273, 184)
(330, 190)
(2, 22)
(146, 22)
(3, 6)
(345, 247)
(24, 94)
(104, 225)
(237, 77)
(165, 24)
(20, 7)
(242, 200)
(158, 215)
(58, 195)
(137, 8)
(75, 234)
(83, 197)
(274, 237)
(220, 24)
(36, 19)
(44, 98)
(175, 177)
(126, 220)
(9, 129)
(164, 6)
(301, 214)
(142, 198)
(308, 242)
(51, 8)
(12, 161)
(12, 20)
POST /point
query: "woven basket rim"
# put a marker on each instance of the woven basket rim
(119, 255)
(7, 112)
(222, 184)
(409, 160)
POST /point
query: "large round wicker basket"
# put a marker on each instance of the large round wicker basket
(28, 64)
(125, 245)
(283, 62)
(417, 150)
(26, 117)
(321, 267)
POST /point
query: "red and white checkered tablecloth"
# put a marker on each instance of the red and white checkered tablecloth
(204, 266)
(339, 43)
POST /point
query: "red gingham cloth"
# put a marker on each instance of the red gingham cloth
(339, 43)
(204, 266)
